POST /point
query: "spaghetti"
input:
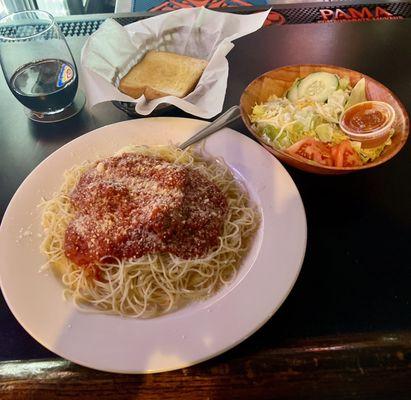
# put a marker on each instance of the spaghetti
(191, 224)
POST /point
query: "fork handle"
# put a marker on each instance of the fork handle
(224, 119)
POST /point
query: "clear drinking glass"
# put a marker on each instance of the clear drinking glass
(38, 66)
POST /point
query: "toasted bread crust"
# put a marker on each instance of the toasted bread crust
(161, 74)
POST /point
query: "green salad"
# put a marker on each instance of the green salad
(311, 109)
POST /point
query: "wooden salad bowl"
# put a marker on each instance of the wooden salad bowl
(279, 80)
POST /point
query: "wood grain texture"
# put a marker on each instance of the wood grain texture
(358, 366)
(278, 81)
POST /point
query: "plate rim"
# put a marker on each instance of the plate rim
(211, 354)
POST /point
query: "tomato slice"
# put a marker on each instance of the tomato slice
(312, 149)
(334, 151)
(344, 155)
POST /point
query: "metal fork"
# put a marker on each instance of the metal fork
(229, 116)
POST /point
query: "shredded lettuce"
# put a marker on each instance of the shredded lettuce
(259, 111)
(372, 153)
(282, 123)
(270, 132)
(344, 83)
(328, 134)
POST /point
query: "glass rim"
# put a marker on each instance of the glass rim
(52, 24)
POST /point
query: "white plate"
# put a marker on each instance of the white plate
(190, 335)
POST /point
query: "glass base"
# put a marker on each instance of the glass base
(60, 115)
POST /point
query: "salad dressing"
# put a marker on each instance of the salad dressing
(365, 118)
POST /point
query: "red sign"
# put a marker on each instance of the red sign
(170, 5)
(274, 18)
(353, 14)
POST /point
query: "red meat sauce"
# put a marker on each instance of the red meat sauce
(131, 205)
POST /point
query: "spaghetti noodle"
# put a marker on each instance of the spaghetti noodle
(172, 265)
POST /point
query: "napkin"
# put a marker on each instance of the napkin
(113, 50)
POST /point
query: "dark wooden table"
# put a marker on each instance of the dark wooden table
(345, 330)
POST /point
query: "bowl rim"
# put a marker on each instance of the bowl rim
(286, 155)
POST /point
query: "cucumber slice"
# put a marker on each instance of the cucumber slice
(292, 93)
(318, 86)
